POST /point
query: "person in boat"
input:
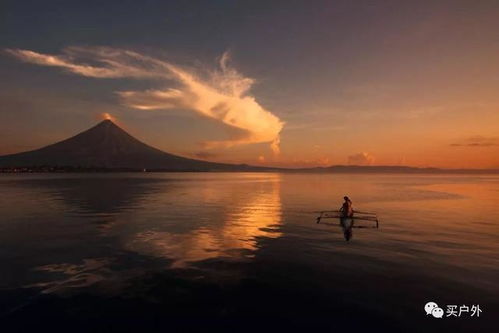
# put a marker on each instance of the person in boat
(346, 209)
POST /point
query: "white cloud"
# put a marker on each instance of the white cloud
(361, 159)
(223, 95)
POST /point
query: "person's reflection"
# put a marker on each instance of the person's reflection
(347, 226)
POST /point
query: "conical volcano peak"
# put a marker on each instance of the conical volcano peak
(107, 127)
(106, 145)
(107, 122)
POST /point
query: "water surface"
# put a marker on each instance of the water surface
(242, 251)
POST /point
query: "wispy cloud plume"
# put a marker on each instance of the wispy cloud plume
(222, 95)
(113, 63)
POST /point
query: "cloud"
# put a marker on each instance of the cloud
(478, 141)
(361, 159)
(475, 144)
(222, 95)
(114, 63)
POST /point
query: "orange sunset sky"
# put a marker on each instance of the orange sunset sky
(289, 84)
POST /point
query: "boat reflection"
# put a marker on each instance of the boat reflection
(347, 223)
(251, 210)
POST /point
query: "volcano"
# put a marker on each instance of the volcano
(107, 146)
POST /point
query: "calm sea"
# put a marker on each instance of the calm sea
(242, 252)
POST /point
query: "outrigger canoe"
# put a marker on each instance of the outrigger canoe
(357, 215)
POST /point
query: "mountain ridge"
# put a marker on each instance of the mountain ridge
(107, 146)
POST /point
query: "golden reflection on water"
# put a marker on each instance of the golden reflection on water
(252, 211)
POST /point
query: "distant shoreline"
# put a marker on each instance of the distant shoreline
(338, 169)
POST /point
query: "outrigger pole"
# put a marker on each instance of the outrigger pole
(337, 211)
(336, 214)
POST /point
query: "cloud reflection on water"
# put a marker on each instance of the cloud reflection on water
(248, 215)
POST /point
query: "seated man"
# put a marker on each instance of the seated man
(346, 209)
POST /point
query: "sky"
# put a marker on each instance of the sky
(275, 83)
